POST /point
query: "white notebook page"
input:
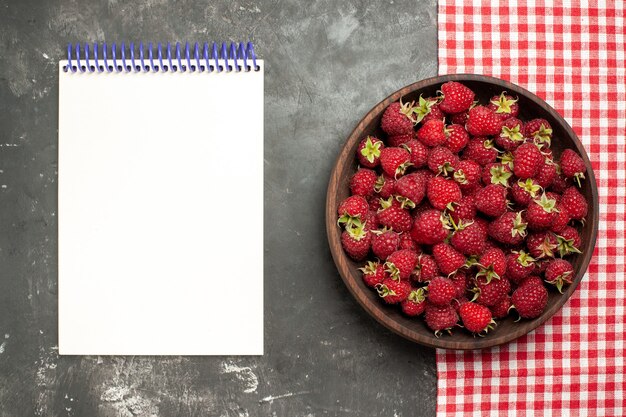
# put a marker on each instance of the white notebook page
(161, 213)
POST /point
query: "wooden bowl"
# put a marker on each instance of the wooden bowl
(390, 316)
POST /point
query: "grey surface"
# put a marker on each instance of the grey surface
(326, 64)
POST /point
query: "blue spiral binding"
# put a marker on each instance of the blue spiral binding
(124, 66)
(178, 58)
(203, 57)
(215, 55)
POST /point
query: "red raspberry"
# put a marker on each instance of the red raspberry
(492, 264)
(384, 243)
(541, 213)
(496, 173)
(440, 318)
(572, 165)
(441, 291)
(476, 318)
(456, 97)
(448, 259)
(532, 280)
(511, 135)
(459, 118)
(392, 291)
(428, 108)
(429, 227)
(464, 210)
(442, 161)
(425, 269)
(504, 105)
(469, 238)
(371, 221)
(527, 160)
(410, 190)
(524, 191)
(509, 229)
(568, 241)
(434, 114)
(519, 265)
(467, 174)
(432, 133)
(353, 208)
(501, 309)
(457, 138)
(374, 202)
(483, 121)
(418, 153)
(363, 182)
(490, 293)
(560, 184)
(399, 140)
(393, 216)
(373, 273)
(491, 200)
(442, 191)
(547, 174)
(460, 281)
(458, 302)
(561, 219)
(368, 152)
(356, 242)
(398, 119)
(407, 242)
(480, 150)
(395, 161)
(559, 272)
(530, 300)
(540, 131)
(415, 304)
(575, 203)
(401, 263)
(541, 244)
(385, 186)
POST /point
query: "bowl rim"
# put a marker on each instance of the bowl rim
(340, 258)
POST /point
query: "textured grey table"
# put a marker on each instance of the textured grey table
(326, 64)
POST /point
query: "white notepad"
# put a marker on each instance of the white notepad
(160, 212)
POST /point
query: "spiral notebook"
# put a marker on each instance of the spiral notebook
(161, 200)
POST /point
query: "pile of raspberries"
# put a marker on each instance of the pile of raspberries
(462, 212)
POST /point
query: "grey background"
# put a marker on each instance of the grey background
(326, 65)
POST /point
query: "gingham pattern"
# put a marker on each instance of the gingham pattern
(572, 55)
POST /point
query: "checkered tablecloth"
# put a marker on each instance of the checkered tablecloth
(572, 55)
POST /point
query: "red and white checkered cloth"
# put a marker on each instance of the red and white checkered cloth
(573, 56)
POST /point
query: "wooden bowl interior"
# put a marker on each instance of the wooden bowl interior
(390, 316)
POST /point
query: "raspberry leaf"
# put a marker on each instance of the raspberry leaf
(418, 295)
(519, 226)
(423, 108)
(369, 268)
(405, 202)
(543, 136)
(408, 109)
(513, 134)
(487, 272)
(504, 104)
(371, 151)
(524, 259)
(529, 186)
(507, 159)
(384, 291)
(566, 246)
(499, 175)
(459, 176)
(548, 204)
(559, 281)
